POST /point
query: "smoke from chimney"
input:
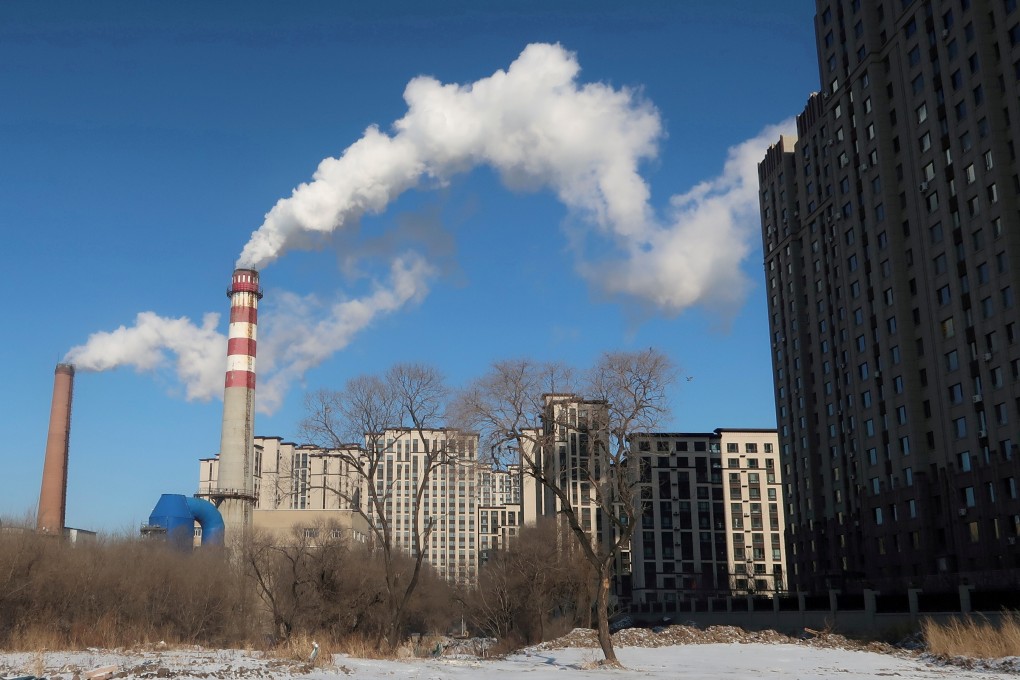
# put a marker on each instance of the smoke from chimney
(53, 492)
(539, 129)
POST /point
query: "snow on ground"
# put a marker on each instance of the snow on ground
(720, 657)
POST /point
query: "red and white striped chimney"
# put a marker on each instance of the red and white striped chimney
(53, 492)
(235, 481)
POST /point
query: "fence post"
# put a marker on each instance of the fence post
(870, 606)
(965, 606)
(913, 605)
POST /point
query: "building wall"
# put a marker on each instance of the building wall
(892, 256)
(474, 510)
(301, 487)
(713, 521)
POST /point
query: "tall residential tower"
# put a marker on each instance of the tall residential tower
(892, 262)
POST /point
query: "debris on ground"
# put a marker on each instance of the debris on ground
(665, 636)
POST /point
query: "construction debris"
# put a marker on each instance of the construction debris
(692, 635)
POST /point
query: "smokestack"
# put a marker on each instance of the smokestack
(53, 494)
(235, 481)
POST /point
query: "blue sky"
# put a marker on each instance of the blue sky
(141, 145)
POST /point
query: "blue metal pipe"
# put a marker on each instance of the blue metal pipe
(177, 514)
(209, 518)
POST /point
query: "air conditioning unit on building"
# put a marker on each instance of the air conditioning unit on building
(976, 399)
(982, 434)
(1011, 540)
(962, 512)
(987, 356)
(923, 186)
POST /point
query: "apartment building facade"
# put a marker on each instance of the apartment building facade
(892, 259)
(466, 507)
(714, 521)
(723, 528)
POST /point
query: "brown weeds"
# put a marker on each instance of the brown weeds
(974, 637)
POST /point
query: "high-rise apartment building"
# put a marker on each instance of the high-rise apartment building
(466, 507)
(714, 520)
(892, 261)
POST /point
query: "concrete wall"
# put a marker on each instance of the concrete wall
(797, 614)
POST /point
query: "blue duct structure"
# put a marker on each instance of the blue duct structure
(176, 514)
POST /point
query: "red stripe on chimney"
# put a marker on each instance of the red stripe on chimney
(240, 379)
(241, 346)
(245, 314)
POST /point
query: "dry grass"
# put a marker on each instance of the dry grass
(114, 593)
(360, 646)
(299, 648)
(976, 638)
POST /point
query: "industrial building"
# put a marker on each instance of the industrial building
(892, 261)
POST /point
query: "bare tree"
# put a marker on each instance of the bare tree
(409, 396)
(528, 585)
(303, 577)
(519, 408)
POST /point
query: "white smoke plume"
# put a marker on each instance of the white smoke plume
(533, 123)
(695, 255)
(199, 349)
(538, 128)
(298, 335)
(303, 332)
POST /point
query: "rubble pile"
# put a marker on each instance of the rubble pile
(664, 636)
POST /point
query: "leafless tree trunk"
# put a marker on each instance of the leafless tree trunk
(520, 407)
(408, 396)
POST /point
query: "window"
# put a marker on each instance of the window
(961, 110)
(952, 361)
(987, 308)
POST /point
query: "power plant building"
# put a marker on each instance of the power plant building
(892, 259)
